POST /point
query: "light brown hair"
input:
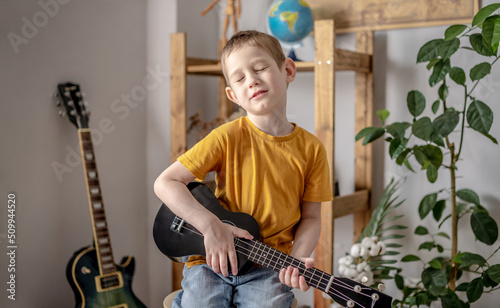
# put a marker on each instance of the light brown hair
(259, 39)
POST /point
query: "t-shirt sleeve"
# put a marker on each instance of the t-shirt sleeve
(203, 157)
(318, 187)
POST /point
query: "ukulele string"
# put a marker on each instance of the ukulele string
(314, 277)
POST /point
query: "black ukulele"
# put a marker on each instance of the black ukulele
(177, 239)
(91, 271)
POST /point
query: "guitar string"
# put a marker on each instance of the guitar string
(317, 280)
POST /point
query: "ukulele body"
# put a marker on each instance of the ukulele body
(179, 244)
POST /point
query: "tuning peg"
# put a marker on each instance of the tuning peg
(381, 287)
(364, 280)
(350, 303)
(62, 113)
(73, 112)
(66, 93)
(71, 103)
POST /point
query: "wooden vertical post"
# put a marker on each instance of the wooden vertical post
(178, 116)
(225, 105)
(324, 97)
(178, 95)
(364, 117)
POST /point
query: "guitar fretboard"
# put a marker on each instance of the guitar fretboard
(274, 259)
(97, 213)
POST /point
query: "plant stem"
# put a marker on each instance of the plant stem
(454, 218)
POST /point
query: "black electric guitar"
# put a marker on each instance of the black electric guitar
(177, 239)
(91, 271)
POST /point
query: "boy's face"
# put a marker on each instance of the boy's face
(256, 83)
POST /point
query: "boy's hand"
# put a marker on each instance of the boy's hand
(219, 247)
(290, 275)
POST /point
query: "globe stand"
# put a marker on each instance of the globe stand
(292, 56)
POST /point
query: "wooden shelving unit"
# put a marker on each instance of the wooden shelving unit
(328, 60)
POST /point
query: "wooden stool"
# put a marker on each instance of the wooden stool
(167, 302)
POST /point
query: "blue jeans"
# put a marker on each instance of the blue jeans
(258, 288)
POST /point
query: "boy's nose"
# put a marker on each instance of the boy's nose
(254, 81)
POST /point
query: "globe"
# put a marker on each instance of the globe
(290, 21)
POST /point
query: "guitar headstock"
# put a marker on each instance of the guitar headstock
(352, 294)
(70, 96)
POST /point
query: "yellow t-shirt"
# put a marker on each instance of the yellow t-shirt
(265, 176)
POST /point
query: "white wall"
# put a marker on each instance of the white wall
(102, 46)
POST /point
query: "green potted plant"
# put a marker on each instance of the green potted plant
(428, 143)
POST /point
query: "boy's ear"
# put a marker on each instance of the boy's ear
(230, 94)
(291, 70)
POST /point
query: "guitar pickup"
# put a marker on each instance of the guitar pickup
(177, 224)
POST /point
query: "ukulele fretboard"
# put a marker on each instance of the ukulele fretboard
(97, 212)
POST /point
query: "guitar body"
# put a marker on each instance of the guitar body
(82, 273)
(174, 244)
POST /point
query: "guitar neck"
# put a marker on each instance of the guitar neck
(97, 212)
(274, 259)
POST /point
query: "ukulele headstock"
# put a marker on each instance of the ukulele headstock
(352, 294)
(70, 96)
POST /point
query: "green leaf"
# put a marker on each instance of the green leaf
(416, 102)
(442, 234)
(435, 106)
(480, 71)
(475, 290)
(483, 13)
(400, 282)
(438, 209)
(457, 75)
(484, 227)
(410, 258)
(432, 173)
(434, 280)
(480, 117)
(433, 154)
(421, 230)
(398, 129)
(432, 63)
(466, 259)
(382, 114)
(462, 287)
(446, 123)
(490, 137)
(427, 204)
(422, 128)
(429, 51)
(435, 264)
(407, 164)
(494, 273)
(439, 72)
(402, 157)
(451, 300)
(491, 32)
(443, 91)
(426, 245)
(454, 31)
(370, 134)
(396, 147)
(448, 48)
(468, 195)
(477, 43)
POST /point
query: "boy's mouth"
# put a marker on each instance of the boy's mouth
(258, 94)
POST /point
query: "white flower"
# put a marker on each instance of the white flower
(346, 260)
(382, 247)
(355, 250)
(374, 250)
(366, 242)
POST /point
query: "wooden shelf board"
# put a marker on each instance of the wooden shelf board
(345, 60)
(350, 204)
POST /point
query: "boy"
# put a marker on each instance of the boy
(265, 166)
